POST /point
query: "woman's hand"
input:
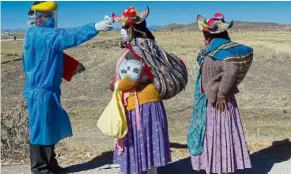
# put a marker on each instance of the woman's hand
(123, 44)
(221, 104)
(111, 84)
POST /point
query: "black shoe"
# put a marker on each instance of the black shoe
(59, 170)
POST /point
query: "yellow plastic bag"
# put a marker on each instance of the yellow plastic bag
(113, 122)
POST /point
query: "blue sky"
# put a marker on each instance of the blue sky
(14, 14)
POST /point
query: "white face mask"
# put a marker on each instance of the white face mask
(124, 35)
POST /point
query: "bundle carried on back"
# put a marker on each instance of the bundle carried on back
(169, 73)
(226, 50)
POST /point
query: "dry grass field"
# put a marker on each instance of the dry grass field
(264, 98)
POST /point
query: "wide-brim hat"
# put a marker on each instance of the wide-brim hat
(130, 16)
(214, 25)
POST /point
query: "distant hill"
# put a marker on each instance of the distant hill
(238, 26)
(152, 27)
(13, 30)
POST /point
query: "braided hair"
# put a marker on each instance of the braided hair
(223, 35)
(141, 30)
(208, 37)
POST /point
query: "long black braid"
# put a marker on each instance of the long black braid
(142, 31)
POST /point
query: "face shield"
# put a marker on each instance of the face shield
(43, 14)
(44, 18)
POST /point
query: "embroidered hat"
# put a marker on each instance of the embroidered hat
(130, 16)
(214, 25)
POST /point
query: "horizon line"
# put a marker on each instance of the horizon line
(169, 24)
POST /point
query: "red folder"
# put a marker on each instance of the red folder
(70, 65)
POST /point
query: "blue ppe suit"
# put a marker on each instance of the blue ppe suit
(43, 66)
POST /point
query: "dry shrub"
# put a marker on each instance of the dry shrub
(10, 54)
(14, 133)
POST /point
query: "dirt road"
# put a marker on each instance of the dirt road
(182, 166)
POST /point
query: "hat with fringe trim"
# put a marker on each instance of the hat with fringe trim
(214, 25)
(130, 16)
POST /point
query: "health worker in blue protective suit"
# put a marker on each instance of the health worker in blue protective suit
(43, 66)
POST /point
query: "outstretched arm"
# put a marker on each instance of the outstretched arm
(67, 38)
